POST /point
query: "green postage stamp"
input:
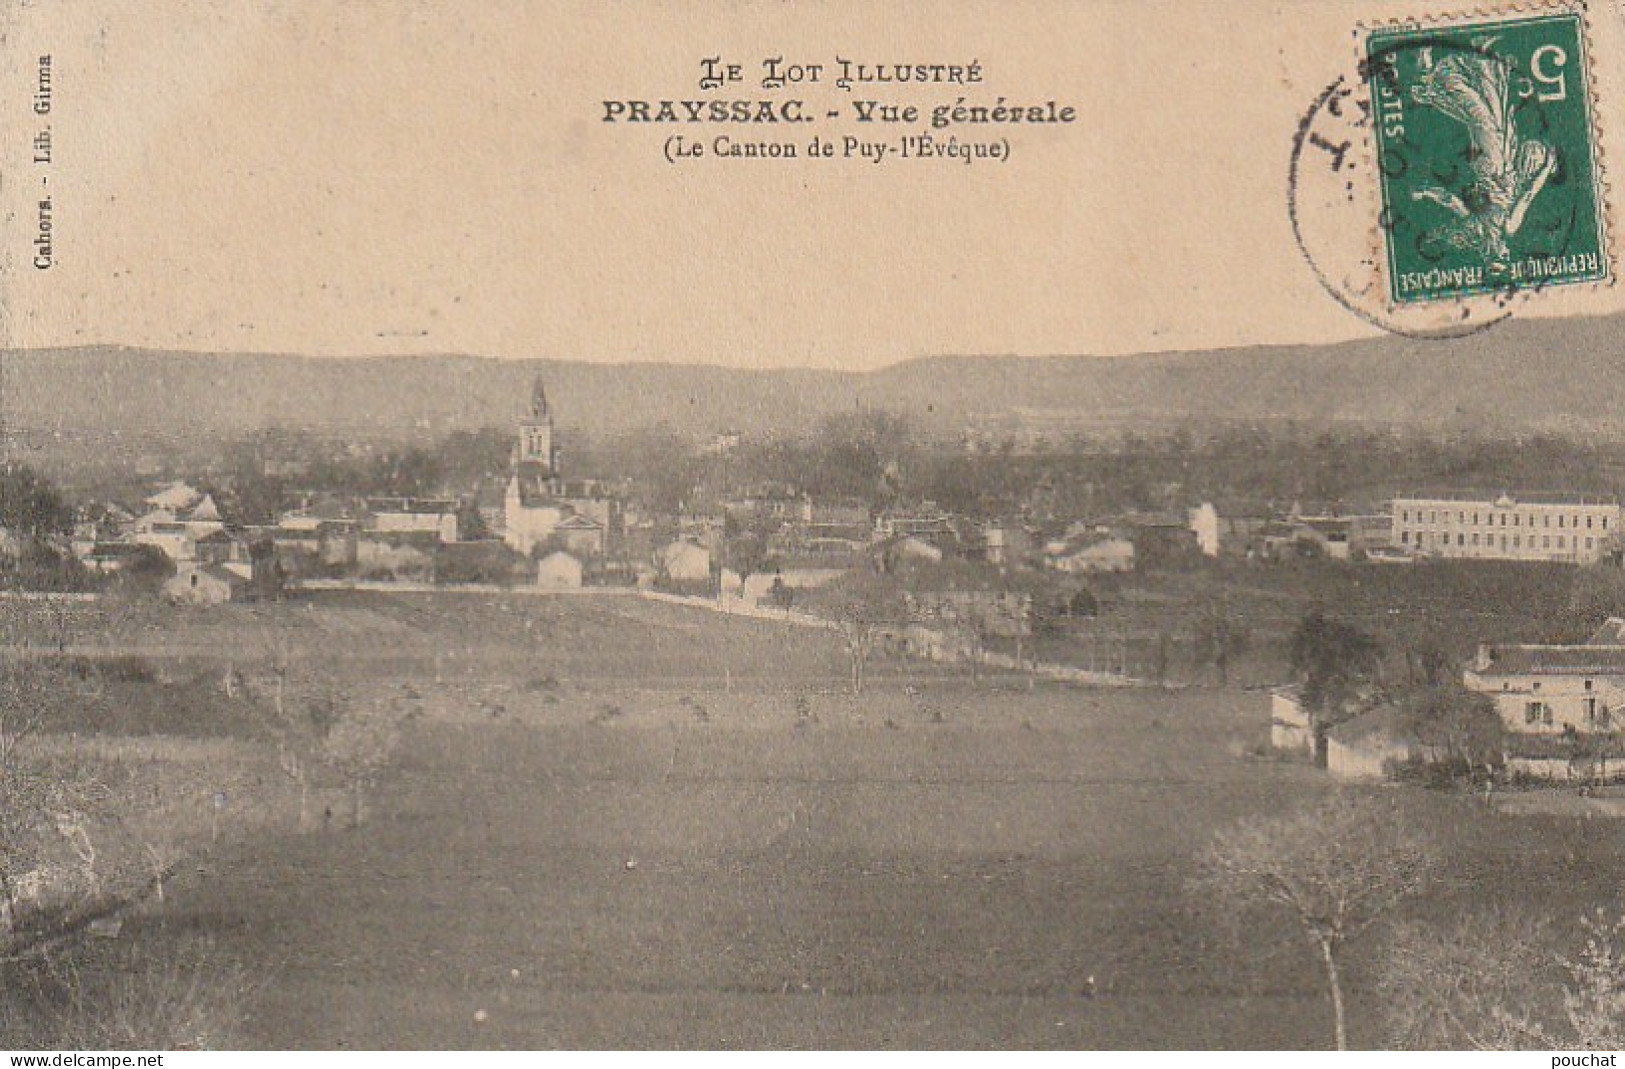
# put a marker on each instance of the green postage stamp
(1486, 156)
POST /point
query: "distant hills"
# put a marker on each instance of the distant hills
(1523, 376)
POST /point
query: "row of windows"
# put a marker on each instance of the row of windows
(1424, 538)
(1597, 715)
(1535, 686)
(1499, 519)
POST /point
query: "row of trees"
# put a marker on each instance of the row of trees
(876, 456)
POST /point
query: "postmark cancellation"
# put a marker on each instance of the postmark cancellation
(1486, 154)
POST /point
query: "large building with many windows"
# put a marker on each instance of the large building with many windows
(1569, 530)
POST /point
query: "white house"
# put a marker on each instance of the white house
(559, 571)
(174, 497)
(1557, 703)
(1106, 554)
(210, 585)
(684, 562)
(1545, 690)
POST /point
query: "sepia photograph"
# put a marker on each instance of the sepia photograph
(767, 525)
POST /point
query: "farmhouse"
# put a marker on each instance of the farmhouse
(1547, 689)
(1554, 701)
(176, 529)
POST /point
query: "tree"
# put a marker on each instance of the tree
(145, 570)
(1495, 981)
(358, 746)
(1220, 638)
(745, 543)
(303, 707)
(30, 505)
(1332, 659)
(1336, 867)
(1460, 726)
(1596, 593)
(1427, 662)
(322, 734)
(861, 454)
(862, 607)
(1487, 981)
(1161, 657)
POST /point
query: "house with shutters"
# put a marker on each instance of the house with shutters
(1559, 704)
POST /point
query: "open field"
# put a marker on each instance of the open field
(662, 828)
(512, 637)
(1455, 604)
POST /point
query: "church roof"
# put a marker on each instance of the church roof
(430, 506)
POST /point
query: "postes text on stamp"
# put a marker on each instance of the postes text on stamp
(1486, 157)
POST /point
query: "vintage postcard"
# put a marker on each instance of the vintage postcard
(738, 524)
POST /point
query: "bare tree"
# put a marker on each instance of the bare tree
(860, 637)
(1220, 638)
(1335, 867)
(305, 705)
(862, 610)
(1497, 981)
(358, 746)
(1488, 981)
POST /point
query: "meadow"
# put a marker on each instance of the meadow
(632, 824)
(615, 823)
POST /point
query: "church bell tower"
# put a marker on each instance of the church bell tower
(535, 447)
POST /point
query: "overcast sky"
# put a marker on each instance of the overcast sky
(348, 179)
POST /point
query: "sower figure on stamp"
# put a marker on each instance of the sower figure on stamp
(1509, 171)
